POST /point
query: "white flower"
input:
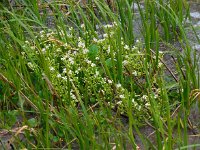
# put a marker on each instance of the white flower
(110, 81)
(23, 53)
(30, 65)
(41, 32)
(118, 85)
(58, 75)
(81, 44)
(108, 50)
(88, 61)
(160, 64)
(147, 104)
(97, 73)
(43, 50)
(71, 60)
(27, 42)
(134, 48)
(85, 51)
(108, 26)
(126, 47)
(93, 65)
(69, 35)
(82, 25)
(70, 72)
(95, 40)
(145, 97)
(51, 68)
(105, 35)
(73, 96)
(125, 62)
(65, 45)
(121, 96)
(48, 34)
(134, 73)
(64, 78)
(62, 58)
(71, 28)
(64, 70)
(119, 102)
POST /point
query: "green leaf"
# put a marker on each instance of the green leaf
(109, 63)
(32, 122)
(93, 52)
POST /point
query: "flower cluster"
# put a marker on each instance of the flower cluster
(88, 67)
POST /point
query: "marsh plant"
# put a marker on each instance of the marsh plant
(72, 84)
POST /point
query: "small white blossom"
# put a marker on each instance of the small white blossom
(64, 70)
(81, 44)
(118, 85)
(64, 78)
(125, 62)
(58, 75)
(93, 65)
(52, 68)
(145, 97)
(48, 34)
(97, 73)
(71, 60)
(88, 61)
(147, 104)
(160, 64)
(110, 81)
(41, 32)
(134, 73)
(108, 26)
(134, 48)
(85, 51)
(73, 96)
(43, 50)
(95, 40)
(105, 35)
(82, 25)
(108, 50)
(65, 45)
(119, 102)
(121, 96)
(126, 47)
(70, 72)
(31, 65)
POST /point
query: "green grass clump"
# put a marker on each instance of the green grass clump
(86, 82)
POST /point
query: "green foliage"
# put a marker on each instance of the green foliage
(81, 77)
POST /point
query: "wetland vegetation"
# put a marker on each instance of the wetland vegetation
(98, 75)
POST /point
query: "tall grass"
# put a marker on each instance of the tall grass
(73, 83)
